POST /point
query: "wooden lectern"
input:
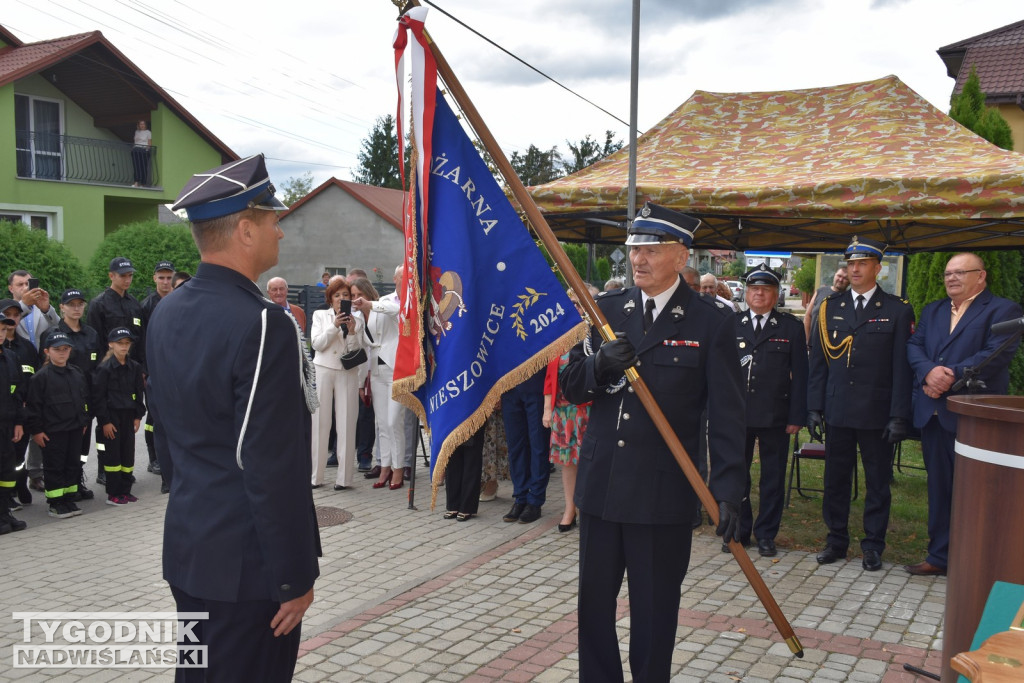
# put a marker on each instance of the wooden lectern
(985, 544)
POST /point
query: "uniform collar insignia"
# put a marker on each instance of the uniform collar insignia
(746, 319)
(773, 321)
(878, 304)
(629, 306)
(677, 312)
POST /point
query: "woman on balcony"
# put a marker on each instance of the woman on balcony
(140, 154)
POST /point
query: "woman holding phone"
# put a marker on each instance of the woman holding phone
(336, 336)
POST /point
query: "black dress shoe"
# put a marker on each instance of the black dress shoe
(531, 513)
(725, 546)
(872, 561)
(766, 548)
(339, 487)
(373, 473)
(315, 486)
(514, 514)
(830, 554)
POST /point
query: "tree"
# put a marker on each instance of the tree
(46, 259)
(924, 272)
(804, 279)
(295, 189)
(969, 110)
(537, 167)
(587, 151)
(378, 158)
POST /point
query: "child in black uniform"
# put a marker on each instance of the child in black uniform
(12, 419)
(117, 403)
(57, 412)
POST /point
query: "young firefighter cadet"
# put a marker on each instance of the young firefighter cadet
(57, 413)
(117, 389)
(12, 420)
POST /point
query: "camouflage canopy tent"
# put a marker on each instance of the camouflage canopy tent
(805, 170)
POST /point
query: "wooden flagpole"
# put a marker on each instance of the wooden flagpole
(543, 231)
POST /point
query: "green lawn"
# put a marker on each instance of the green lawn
(907, 540)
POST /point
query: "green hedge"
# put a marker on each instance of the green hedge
(146, 243)
(50, 261)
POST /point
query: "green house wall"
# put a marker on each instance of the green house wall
(87, 212)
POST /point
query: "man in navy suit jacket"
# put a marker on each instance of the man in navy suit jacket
(954, 334)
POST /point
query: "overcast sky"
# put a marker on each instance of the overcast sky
(304, 82)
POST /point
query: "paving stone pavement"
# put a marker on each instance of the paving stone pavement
(406, 596)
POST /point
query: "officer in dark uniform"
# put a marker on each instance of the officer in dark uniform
(114, 307)
(773, 355)
(232, 387)
(636, 504)
(859, 389)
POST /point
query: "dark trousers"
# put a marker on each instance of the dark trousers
(83, 454)
(150, 441)
(840, 458)
(655, 558)
(462, 476)
(938, 448)
(8, 466)
(773, 449)
(365, 434)
(240, 643)
(140, 165)
(117, 455)
(528, 441)
(61, 463)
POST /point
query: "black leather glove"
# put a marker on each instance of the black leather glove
(612, 359)
(728, 521)
(896, 430)
(816, 425)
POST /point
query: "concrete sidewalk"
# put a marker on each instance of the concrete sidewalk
(407, 596)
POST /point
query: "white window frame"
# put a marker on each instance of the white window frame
(32, 99)
(54, 216)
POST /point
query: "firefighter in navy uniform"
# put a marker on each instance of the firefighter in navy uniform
(635, 502)
(163, 275)
(27, 357)
(859, 391)
(231, 388)
(86, 351)
(114, 307)
(773, 357)
(12, 424)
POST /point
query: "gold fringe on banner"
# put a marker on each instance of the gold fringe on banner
(524, 371)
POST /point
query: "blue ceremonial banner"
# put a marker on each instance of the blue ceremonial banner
(492, 311)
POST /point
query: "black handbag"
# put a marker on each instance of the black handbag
(353, 358)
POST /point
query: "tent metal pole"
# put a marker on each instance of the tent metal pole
(634, 78)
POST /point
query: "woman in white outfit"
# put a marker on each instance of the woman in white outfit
(381, 338)
(336, 333)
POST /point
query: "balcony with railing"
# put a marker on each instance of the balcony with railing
(86, 160)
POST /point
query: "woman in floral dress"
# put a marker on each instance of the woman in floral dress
(568, 422)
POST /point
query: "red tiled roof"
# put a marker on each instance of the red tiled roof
(93, 73)
(25, 60)
(383, 201)
(998, 57)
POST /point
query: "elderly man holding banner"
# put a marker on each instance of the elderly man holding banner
(636, 503)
